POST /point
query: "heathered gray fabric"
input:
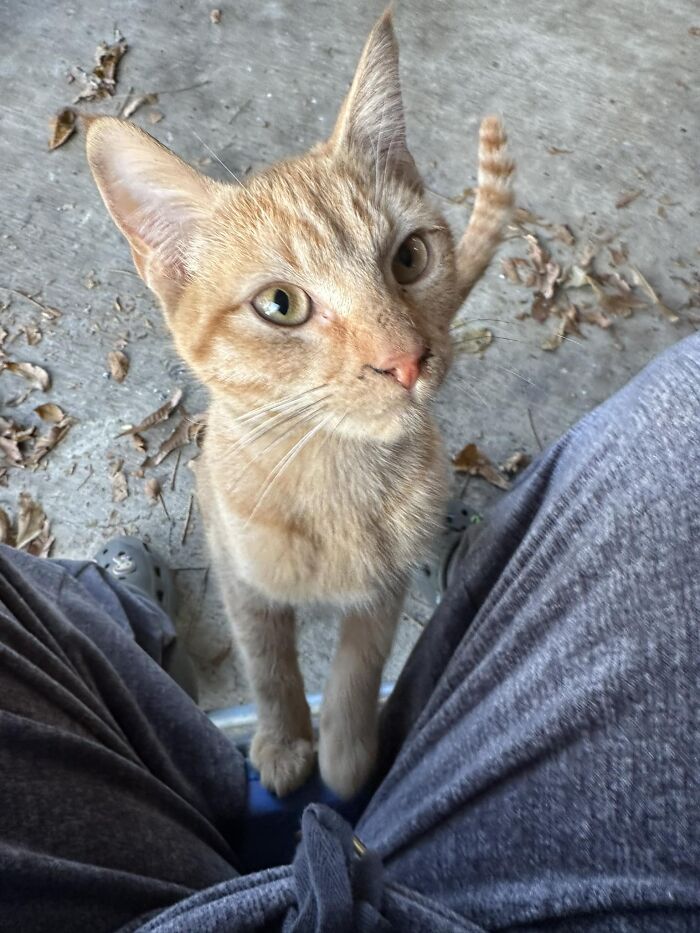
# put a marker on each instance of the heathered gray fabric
(539, 756)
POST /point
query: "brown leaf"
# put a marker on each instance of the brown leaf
(36, 375)
(562, 233)
(551, 277)
(152, 488)
(120, 487)
(33, 532)
(118, 365)
(473, 461)
(515, 463)
(618, 256)
(595, 316)
(215, 17)
(626, 199)
(646, 287)
(6, 535)
(102, 80)
(46, 442)
(155, 116)
(522, 215)
(511, 269)
(131, 106)
(138, 442)
(62, 127)
(50, 412)
(466, 195)
(541, 308)
(188, 429)
(32, 334)
(567, 325)
(160, 414)
(555, 150)
(474, 340)
(538, 254)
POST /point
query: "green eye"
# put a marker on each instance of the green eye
(283, 304)
(411, 260)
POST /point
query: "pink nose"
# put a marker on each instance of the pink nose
(404, 367)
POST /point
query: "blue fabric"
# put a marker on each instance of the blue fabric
(539, 757)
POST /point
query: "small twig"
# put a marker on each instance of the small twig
(50, 312)
(534, 430)
(90, 472)
(177, 465)
(187, 519)
(162, 502)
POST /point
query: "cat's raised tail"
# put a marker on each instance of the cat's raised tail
(493, 207)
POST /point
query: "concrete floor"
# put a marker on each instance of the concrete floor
(613, 83)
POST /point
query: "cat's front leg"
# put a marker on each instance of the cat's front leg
(348, 729)
(282, 747)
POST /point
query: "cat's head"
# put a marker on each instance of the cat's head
(328, 278)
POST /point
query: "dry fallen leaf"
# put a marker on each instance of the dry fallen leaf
(188, 429)
(5, 528)
(155, 116)
(62, 126)
(138, 442)
(160, 414)
(563, 233)
(45, 443)
(118, 365)
(555, 150)
(474, 340)
(618, 255)
(152, 488)
(33, 531)
(473, 461)
(32, 334)
(50, 412)
(626, 199)
(515, 463)
(568, 324)
(694, 31)
(120, 487)
(656, 301)
(215, 17)
(102, 80)
(36, 375)
(466, 195)
(131, 106)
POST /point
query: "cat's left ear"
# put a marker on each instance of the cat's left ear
(155, 199)
(371, 120)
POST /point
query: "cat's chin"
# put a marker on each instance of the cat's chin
(385, 427)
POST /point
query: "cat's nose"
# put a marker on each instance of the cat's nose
(404, 366)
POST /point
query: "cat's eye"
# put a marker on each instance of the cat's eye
(411, 260)
(283, 304)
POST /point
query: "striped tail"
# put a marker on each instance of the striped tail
(493, 207)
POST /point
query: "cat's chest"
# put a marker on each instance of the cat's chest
(337, 534)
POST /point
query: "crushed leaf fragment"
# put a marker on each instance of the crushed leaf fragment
(160, 414)
(62, 127)
(473, 461)
(120, 486)
(118, 365)
(33, 533)
(627, 198)
(132, 104)
(50, 412)
(35, 375)
(215, 17)
(152, 488)
(101, 82)
(515, 463)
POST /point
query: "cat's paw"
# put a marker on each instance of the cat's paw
(346, 761)
(283, 764)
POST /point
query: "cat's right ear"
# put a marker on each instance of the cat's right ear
(155, 199)
(371, 119)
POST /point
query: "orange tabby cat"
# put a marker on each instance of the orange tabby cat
(315, 301)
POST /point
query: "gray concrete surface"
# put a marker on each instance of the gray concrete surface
(616, 83)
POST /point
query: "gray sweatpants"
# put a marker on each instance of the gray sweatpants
(540, 754)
